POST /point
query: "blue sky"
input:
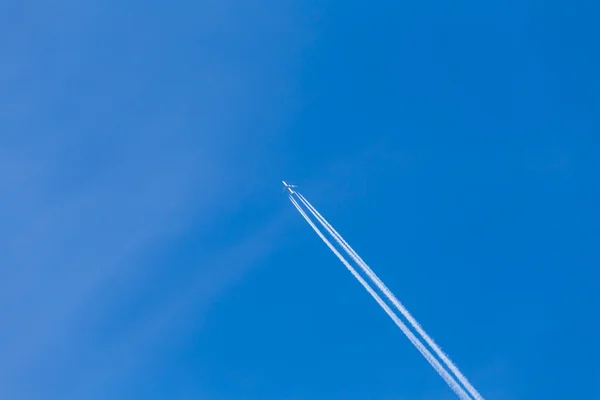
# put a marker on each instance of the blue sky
(147, 250)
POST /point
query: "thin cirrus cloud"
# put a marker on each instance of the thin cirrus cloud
(117, 138)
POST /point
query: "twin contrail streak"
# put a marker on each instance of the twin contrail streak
(363, 265)
(413, 339)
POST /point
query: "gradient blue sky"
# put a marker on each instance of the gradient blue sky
(146, 249)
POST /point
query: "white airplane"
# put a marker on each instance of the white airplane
(288, 187)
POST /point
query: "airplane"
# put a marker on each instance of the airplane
(289, 187)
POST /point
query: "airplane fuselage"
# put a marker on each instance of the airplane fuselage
(288, 187)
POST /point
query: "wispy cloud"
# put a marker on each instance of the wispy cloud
(64, 245)
(117, 139)
(180, 314)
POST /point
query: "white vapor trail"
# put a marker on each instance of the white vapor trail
(363, 265)
(460, 392)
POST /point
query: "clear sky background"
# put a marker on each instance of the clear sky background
(147, 250)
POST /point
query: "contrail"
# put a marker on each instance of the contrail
(369, 272)
(413, 339)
